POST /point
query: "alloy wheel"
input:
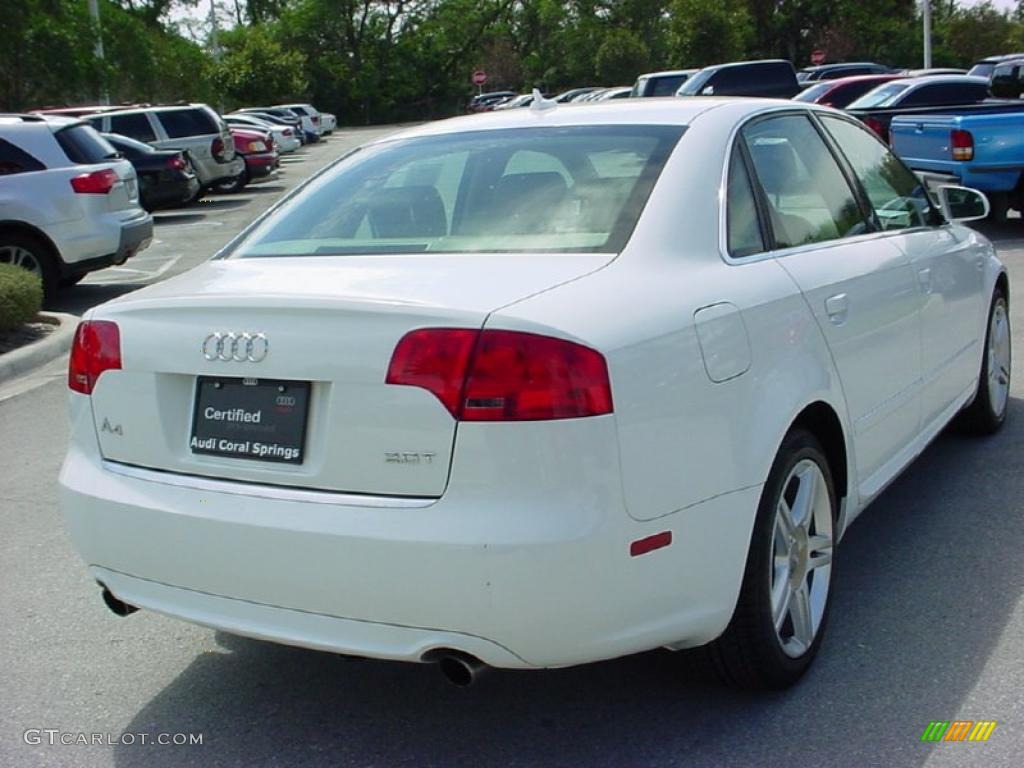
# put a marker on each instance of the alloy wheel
(998, 372)
(801, 563)
(20, 257)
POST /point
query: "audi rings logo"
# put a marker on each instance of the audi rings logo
(236, 347)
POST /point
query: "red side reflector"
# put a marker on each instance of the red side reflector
(962, 144)
(650, 543)
(503, 375)
(95, 183)
(176, 163)
(96, 348)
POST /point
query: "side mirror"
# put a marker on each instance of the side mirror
(962, 204)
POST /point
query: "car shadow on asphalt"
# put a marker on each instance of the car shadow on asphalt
(220, 202)
(926, 582)
(178, 218)
(83, 297)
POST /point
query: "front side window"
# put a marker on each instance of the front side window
(742, 224)
(532, 190)
(808, 197)
(135, 126)
(898, 198)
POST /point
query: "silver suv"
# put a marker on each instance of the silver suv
(196, 128)
(68, 203)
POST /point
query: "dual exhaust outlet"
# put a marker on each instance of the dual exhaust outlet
(459, 669)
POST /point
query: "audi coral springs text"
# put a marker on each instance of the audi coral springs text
(538, 388)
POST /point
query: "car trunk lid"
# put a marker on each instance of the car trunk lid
(323, 331)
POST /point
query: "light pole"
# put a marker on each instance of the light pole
(94, 12)
(926, 16)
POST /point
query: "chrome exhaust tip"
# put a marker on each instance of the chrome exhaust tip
(460, 669)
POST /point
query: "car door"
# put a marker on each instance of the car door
(858, 284)
(948, 267)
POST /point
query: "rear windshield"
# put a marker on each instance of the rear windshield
(815, 92)
(882, 96)
(84, 145)
(982, 69)
(666, 85)
(524, 190)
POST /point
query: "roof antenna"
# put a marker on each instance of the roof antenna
(540, 104)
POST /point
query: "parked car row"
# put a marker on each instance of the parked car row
(950, 125)
(77, 183)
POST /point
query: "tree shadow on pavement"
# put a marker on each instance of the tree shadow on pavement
(926, 582)
(177, 218)
(85, 296)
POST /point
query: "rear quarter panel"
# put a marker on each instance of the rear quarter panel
(683, 438)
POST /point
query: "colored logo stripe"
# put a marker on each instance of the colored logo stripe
(935, 730)
(982, 730)
(958, 730)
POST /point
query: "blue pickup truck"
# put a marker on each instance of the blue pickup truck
(983, 150)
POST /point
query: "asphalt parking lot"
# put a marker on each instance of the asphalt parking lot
(927, 623)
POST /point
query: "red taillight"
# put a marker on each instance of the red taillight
(96, 348)
(176, 163)
(95, 183)
(962, 144)
(287, 131)
(503, 375)
(217, 148)
(876, 125)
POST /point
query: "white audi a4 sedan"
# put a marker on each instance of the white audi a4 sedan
(538, 388)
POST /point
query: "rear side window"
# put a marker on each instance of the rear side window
(14, 160)
(808, 197)
(743, 226)
(135, 126)
(530, 190)
(179, 123)
(83, 144)
(898, 198)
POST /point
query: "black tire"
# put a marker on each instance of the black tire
(233, 185)
(36, 252)
(982, 416)
(70, 280)
(749, 654)
(999, 206)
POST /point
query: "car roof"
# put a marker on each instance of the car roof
(879, 77)
(999, 58)
(840, 65)
(931, 79)
(667, 110)
(731, 64)
(669, 73)
(160, 108)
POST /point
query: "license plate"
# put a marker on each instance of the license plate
(262, 419)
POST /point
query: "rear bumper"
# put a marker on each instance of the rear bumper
(262, 166)
(212, 173)
(517, 572)
(135, 235)
(171, 193)
(984, 178)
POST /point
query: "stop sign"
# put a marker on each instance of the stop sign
(817, 56)
(479, 77)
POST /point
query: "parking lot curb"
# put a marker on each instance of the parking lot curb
(52, 346)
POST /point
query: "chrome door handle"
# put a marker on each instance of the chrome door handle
(836, 307)
(924, 278)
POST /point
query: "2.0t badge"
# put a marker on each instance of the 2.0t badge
(236, 347)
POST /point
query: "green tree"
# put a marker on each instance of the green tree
(703, 33)
(620, 57)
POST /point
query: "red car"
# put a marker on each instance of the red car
(843, 90)
(262, 160)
